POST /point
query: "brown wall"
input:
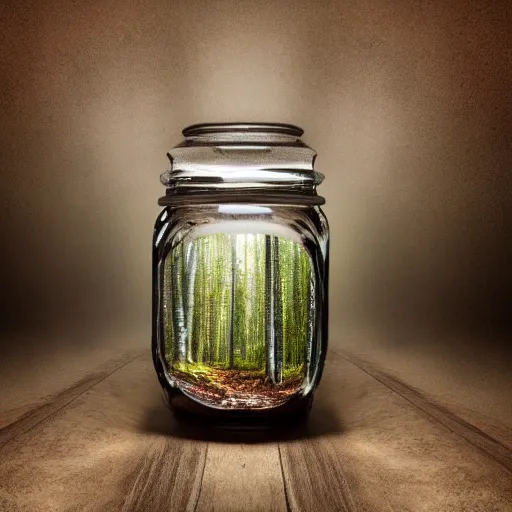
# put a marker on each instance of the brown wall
(407, 103)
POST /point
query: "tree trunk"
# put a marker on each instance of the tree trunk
(278, 316)
(269, 313)
(245, 329)
(297, 316)
(182, 340)
(197, 342)
(233, 294)
(192, 268)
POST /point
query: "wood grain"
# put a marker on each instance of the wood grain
(390, 456)
(26, 421)
(491, 446)
(242, 477)
(372, 444)
(167, 476)
(94, 454)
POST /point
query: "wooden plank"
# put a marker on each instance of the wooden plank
(382, 453)
(485, 442)
(55, 403)
(166, 476)
(240, 477)
(315, 476)
(112, 448)
(112, 445)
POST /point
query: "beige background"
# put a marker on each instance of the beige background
(407, 103)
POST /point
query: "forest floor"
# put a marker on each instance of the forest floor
(237, 388)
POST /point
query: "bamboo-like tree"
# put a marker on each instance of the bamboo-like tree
(269, 313)
(191, 313)
(278, 314)
(233, 303)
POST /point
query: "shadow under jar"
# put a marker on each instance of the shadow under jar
(240, 275)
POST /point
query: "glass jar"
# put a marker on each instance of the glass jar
(240, 275)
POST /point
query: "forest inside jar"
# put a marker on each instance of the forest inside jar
(240, 287)
(239, 317)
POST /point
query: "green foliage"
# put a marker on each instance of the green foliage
(218, 312)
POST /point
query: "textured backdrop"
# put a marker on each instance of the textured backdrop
(407, 103)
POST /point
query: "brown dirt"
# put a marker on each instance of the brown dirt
(227, 387)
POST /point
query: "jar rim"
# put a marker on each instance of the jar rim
(209, 128)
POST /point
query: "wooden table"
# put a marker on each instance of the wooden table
(372, 444)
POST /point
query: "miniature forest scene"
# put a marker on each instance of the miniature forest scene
(238, 314)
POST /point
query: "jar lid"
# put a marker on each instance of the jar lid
(239, 159)
(203, 128)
